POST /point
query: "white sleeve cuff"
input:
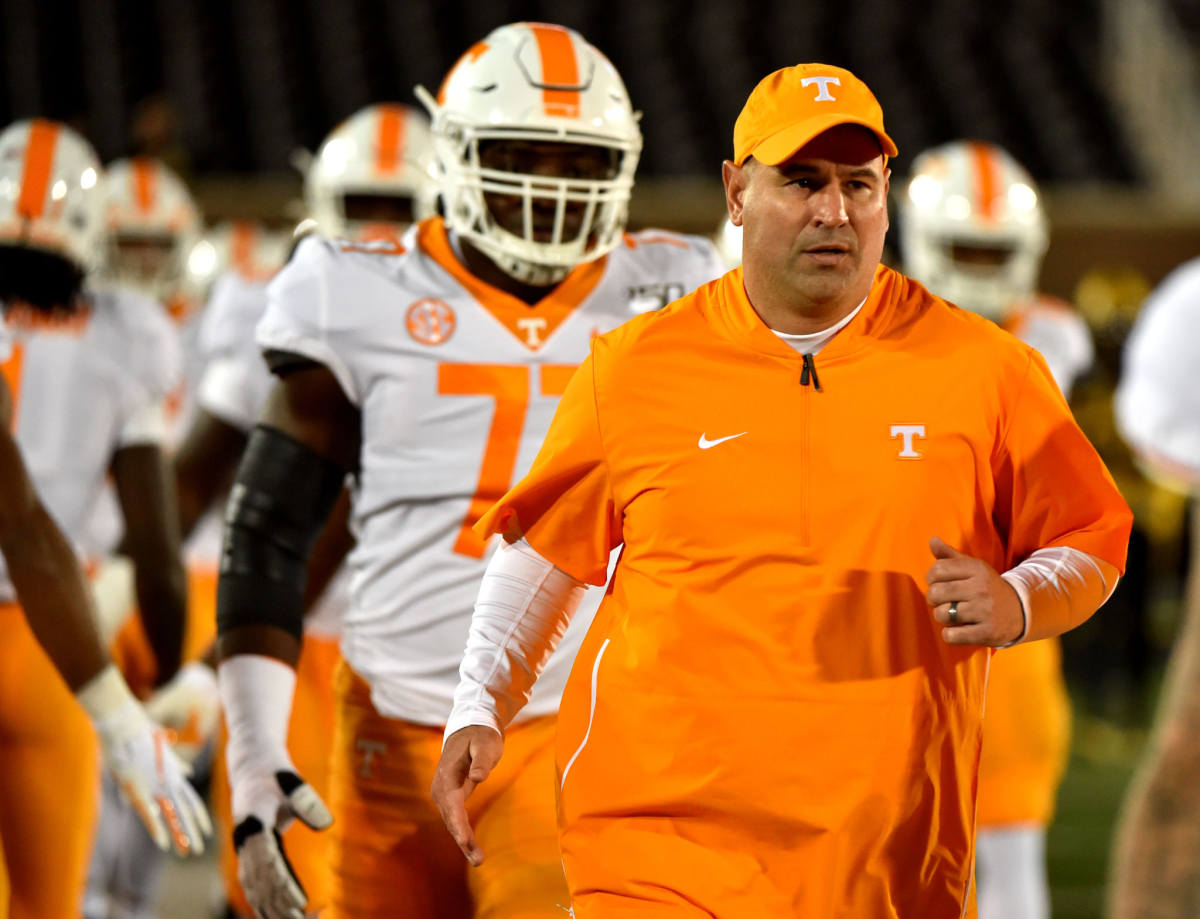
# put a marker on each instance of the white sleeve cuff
(146, 426)
(227, 392)
(1059, 588)
(525, 605)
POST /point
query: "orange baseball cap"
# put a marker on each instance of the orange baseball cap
(792, 106)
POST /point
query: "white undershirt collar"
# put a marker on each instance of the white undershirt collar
(815, 341)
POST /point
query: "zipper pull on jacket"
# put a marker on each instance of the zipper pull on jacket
(810, 370)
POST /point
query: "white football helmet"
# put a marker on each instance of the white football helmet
(973, 230)
(51, 192)
(248, 248)
(153, 224)
(382, 151)
(534, 82)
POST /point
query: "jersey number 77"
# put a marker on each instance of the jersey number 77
(509, 385)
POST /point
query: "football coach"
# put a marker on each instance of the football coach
(834, 494)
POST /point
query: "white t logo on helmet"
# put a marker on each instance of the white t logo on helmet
(823, 82)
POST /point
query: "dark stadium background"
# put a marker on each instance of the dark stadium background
(1098, 99)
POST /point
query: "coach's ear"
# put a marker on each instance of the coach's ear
(735, 178)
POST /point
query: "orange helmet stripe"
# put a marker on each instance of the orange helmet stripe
(560, 67)
(241, 247)
(145, 184)
(39, 158)
(389, 144)
(987, 178)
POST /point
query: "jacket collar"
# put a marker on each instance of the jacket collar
(739, 321)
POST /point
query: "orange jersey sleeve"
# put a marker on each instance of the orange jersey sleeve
(565, 506)
(1045, 458)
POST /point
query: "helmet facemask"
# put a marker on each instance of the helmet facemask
(535, 227)
(149, 262)
(374, 214)
(985, 276)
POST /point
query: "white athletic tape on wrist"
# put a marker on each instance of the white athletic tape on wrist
(256, 696)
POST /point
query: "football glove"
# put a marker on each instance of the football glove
(189, 708)
(138, 754)
(268, 793)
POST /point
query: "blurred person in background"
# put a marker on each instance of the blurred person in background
(152, 226)
(1156, 854)
(154, 130)
(370, 179)
(88, 376)
(973, 231)
(428, 368)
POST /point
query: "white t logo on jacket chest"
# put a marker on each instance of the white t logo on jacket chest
(908, 432)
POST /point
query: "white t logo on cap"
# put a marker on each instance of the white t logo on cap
(823, 82)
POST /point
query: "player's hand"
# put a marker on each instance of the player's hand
(468, 758)
(988, 608)
(188, 707)
(265, 802)
(139, 756)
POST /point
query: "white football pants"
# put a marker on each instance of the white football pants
(1010, 873)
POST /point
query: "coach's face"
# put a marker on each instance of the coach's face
(813, 226)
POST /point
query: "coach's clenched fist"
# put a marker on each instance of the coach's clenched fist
(968, 596)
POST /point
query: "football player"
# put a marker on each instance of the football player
(86, 376)
(429, 369)
(152, 225)
(973, 231)
(1156, 860)
(371, 178)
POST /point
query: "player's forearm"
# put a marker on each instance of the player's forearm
(1060, 588)
(146, 490)
(46, 574)
(525, 605)
(1156, 854)
(204, 465)
(161, 584)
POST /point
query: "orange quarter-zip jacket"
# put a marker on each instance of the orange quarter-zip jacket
(764, 719)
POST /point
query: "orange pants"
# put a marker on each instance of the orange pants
(49, 781)
(131, 649)
(1026, 736)
(392, 857)
(309, 737)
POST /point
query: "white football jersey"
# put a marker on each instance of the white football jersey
(1059, 334)
(84, 388)
(236, 381)
(1157, 403)
(457, 383)
(235, 387)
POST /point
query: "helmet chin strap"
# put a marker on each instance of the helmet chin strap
(532, 274)
(523, 270)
